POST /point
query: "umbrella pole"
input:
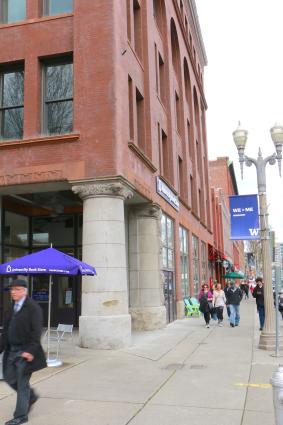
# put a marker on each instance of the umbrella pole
(50, 362)
(49, 315)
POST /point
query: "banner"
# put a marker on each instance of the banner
(244, 217)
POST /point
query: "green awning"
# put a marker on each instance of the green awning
(234, 275)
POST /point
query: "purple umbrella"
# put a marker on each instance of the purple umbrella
(47, 261)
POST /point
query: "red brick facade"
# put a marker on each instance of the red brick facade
(138, 109)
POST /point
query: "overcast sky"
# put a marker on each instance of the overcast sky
(244, 81)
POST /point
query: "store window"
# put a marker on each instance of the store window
(195, 252)
(184, 259)
(11, 104)
(203, 262)
(56, 230)
(12, 11)
(15, 232)
(167, 233)
(55, 7)
(58, 98)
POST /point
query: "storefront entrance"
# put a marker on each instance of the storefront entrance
(23, 234)
(169, 296)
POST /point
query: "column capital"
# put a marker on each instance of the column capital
(103, 189)
(150, 210)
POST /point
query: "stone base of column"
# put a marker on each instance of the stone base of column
(267, 341)
(105, 332)
(180, 310)
(148, 318)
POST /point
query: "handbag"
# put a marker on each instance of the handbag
(211, 307)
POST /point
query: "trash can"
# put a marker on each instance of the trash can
(277, 385)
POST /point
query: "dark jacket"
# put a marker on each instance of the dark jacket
(258, 294)
(204, 305)
(26, 330)
(234, 295)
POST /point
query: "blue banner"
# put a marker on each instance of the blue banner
(244, 217)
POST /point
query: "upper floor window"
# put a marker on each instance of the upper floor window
(12, 11)
(11, 104)
(55, 7)
(58, 98)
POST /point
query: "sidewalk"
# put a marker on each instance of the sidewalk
(184, 374)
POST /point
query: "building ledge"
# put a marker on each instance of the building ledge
(142, 156)
(39, 140)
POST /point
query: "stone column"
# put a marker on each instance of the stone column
(146, 284)
(105, 322)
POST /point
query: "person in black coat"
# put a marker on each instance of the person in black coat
(258, 294)
(23, 353)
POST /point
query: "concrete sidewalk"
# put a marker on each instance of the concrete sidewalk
(184, 374)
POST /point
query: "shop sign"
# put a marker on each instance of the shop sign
(166, 193)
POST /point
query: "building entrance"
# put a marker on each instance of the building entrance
(169, 296)
(23, 234)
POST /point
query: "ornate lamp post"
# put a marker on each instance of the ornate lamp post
(267, 337)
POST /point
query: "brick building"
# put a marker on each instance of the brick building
(223, 184)
(104, 155)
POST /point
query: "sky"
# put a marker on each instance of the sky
(244, 82)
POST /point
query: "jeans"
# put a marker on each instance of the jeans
(261, 315)
(219, 312)
(234, 314)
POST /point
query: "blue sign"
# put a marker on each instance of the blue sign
(244, 217)
(166, 193)
(40, 295)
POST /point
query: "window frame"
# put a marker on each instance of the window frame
(195, 262)
(4, 13)
(9, 70)
(184, 260)
(46, 8)
(44, 109)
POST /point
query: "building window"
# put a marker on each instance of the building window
(129, 26)
(161, 78)
(58, 98)
(140, 119)
(131, 108)
(196, 282)
(182, 9)
(184, 259)
(11, 104)
(178, 113)
(167, 236)
(137, 28)
(165, 156)
(12, 11)
(181, 178)
(55, 7)
(203, 262)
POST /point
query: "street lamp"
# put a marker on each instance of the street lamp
(267, 337)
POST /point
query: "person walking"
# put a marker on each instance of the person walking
(234, 298)
(219, 301)
(23, 353)
(258, 294)
(227, 286)
(205, 303)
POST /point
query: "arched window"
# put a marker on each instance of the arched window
(159, 14)
(176, 60)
